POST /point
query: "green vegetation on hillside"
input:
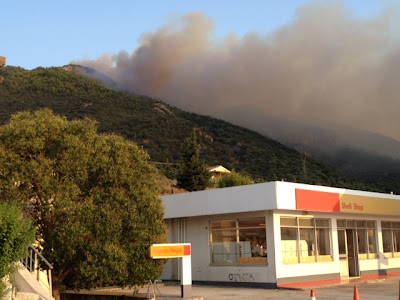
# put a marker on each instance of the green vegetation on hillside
(159, 128)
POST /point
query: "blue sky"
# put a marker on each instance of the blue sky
(53, 33)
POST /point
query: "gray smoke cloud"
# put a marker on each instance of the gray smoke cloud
(327, 65)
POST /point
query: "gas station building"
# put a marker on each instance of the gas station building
(281, 234)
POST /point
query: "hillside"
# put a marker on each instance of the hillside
(370, 157)
(159, 128)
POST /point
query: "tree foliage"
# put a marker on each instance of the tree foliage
(233, 179)
(93, 198)
(192, 173)
(16, 234)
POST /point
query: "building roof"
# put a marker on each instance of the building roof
(219, 169)
(279, 195)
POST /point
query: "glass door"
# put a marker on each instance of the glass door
(352, 253)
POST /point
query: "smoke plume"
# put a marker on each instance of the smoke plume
(327, 65)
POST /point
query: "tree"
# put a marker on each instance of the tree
(16, 234)
(192, 173)
(234, 179)
(93, 199)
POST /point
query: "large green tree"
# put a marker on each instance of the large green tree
(93, 198)
(16, 234)
(192, 171)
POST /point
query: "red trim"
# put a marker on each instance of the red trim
(186, 250)
(309, 282)
(336, 281)
(317, 201)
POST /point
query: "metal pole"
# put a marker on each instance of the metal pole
(50, 284)
(36, 266)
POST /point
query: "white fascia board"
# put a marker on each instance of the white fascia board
(237, 199)
(286, 193)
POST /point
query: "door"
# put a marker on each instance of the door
(352, 253)
(344, 266)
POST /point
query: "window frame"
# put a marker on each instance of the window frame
(239, 260)
(316, 257)
(359, 225)
(393, 240)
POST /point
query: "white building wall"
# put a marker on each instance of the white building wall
(236, 199)
(198, 234)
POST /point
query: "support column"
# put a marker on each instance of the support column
(186, 277)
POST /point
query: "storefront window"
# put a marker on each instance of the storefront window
(324, 241)
(224, 245)
(391, 238)
(305, 240)
(366, 237)
(289, 244)
(362, 241)
(387, 240)
(342, 242)
(239, 241)
(371, 241)
(307, 245)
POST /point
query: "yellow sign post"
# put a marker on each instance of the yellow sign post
(183, 251)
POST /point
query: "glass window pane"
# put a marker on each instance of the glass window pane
(323, 241)
(257, 222)
(341, 223)
(387, 240)
(253, 242)
(322, 223)
(223, 224)
(396, 237)
(288, 221)
(386, 224)
(371, 241)
(307, 242)
(395, 224)
(224, 246)
(360, 223)
(342, 241)
(306, 222)
(362, 241)
(371, 224)
(350, 224)
(289, 243)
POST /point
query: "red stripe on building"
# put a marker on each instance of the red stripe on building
(317, 201)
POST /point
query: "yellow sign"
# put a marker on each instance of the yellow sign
(169, 250)
(369, 205)
(334, 202)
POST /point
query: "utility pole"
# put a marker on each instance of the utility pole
(2, 61)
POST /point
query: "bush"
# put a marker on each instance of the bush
(16, 234)
(234, 179)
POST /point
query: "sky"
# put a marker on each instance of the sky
(317, 62)
(53, 33)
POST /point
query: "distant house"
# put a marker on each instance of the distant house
(218, 171)
(2, 61)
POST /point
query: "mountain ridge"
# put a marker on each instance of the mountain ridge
(160, 128)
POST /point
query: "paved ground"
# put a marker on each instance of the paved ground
(382, 288)
(372, 289)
